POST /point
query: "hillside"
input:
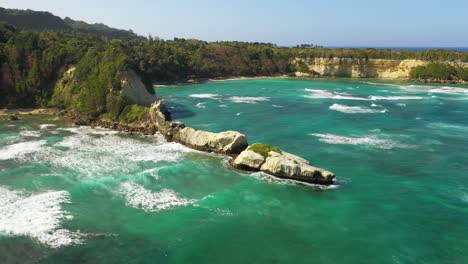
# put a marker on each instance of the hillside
(38, 20)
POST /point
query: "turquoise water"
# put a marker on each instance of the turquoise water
(81, 195)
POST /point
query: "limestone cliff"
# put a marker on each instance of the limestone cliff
(361, 68)
(134, 91)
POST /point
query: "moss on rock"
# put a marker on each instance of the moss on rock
(263, 149)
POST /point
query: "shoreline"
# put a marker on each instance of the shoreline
(216, 79)
(28, 111)
(157, 85)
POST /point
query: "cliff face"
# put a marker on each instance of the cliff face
(134, 91)
(360, 68)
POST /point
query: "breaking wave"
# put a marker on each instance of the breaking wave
(20, 150)
(206, 96)
(450, 90)
(367, 141)
(137, 196)
(396, 98)
(355, 109)
(201, 105)
(38, 216)
(322, 94)
(248, 100)
(275, 180)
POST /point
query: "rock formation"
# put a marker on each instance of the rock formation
(282, 164)
(361, 68)
(134, 91)
(228, 142)
(258, 157)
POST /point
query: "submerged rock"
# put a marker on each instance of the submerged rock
(281, 164)
(14, 117)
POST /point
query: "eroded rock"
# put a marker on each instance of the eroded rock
(283, 165)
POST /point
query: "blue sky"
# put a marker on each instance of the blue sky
(378, 23)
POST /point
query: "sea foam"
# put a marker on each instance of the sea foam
(38, 216)
(206, 96)
(368, 141)
(137, 196)
(20, 150)
(248, 100)
(355, 109)
(323, 94)
(201, 105)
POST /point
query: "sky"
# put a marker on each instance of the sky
(334, 23)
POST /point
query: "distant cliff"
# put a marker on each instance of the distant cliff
(361, 68)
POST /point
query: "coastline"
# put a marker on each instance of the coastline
(28, 111)
(216, 79)
(157, 85)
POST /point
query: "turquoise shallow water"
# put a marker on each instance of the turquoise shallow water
(82, 195)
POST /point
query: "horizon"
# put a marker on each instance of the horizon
(402, 25)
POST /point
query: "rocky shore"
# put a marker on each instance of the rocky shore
(256, 157)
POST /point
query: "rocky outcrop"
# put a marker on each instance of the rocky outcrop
(228, 142)
(361, 68)
(249, 160)
(134, 91)
(283, 165)
(258, 157)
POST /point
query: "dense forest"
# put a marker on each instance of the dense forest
(33, 58)
(36, 20)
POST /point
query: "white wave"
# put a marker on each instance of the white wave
(451, 127)
(277, 106)
(30, 133)
(206, 96)
(354, 109)
(368, 141)
(19, 150)
(248, 100)
(38, 217)
(381, 84)
(450, 90)
(201, 105)
(137, 196)
(396, 98)
(223, 106)
(89, 130)
(96, 155)
(402, 105)
(106, 155)
(322, 94)
(45, 126)
(275, 180)
(375, 105)
(238, 114)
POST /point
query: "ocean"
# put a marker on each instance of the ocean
(88, 195)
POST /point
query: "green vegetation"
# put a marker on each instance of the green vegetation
(36, 20)
(439, 71)
(32, 61)
(263, 149)
(133, 114)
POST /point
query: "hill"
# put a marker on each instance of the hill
(40, 21)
